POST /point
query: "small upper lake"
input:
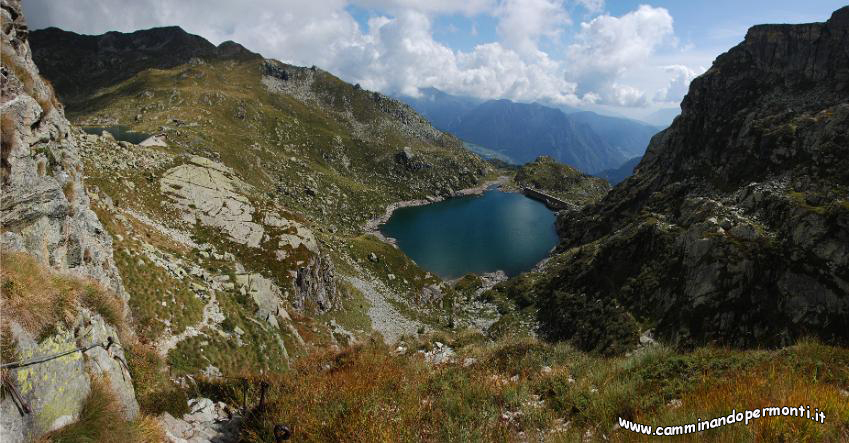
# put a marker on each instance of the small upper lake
(495, 231)
(121, 133)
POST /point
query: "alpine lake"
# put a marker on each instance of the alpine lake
(120, 133)
(475, 234)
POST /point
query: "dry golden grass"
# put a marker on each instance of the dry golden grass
(102, 420)
(364, 393)
(70, 190)
(39, 299)
(803, 375)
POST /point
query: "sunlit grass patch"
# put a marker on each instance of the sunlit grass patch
(39, 299)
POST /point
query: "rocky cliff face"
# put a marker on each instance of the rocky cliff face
(735, 227)
(45, 212)
(45, 207)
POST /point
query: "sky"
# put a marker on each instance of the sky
(628, 58)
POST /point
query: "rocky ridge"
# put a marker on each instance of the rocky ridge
(561, 181)
(80, 64)
(734, 227)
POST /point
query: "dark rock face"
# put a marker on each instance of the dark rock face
(409, 161)
(80, 64)
(734, 228)
(315, 284)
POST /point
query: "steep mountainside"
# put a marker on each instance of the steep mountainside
(629, 137)
(240, 224)
(735, 228)
(335, 140)
(78, 65)
(526, 131)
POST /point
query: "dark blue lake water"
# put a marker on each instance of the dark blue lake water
(121, 133)
(497, 230)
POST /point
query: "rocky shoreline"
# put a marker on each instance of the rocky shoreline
(373, 225)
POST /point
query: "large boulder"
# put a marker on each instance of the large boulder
(55, 389)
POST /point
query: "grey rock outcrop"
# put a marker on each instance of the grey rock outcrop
(315, 283)
(266, 295)
(430, 294)
(45, 212)
(299, 82)
(55, 390)
(207, 421)
(208, 192)
(406, 158)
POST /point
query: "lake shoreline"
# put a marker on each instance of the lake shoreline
(502, 183)
(373, 226)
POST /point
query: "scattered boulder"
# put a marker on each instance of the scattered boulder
(206, 422)
(430, 294)
(410, 161)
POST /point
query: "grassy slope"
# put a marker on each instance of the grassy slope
(522, 387)
(281, 145)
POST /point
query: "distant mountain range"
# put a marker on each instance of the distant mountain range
(524, 131)
(618, 175)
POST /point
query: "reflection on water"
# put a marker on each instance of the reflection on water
(497, 230)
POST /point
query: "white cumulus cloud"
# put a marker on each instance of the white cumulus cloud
(607, 46)
(395, 50)
(591, 5)
(521, 23)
